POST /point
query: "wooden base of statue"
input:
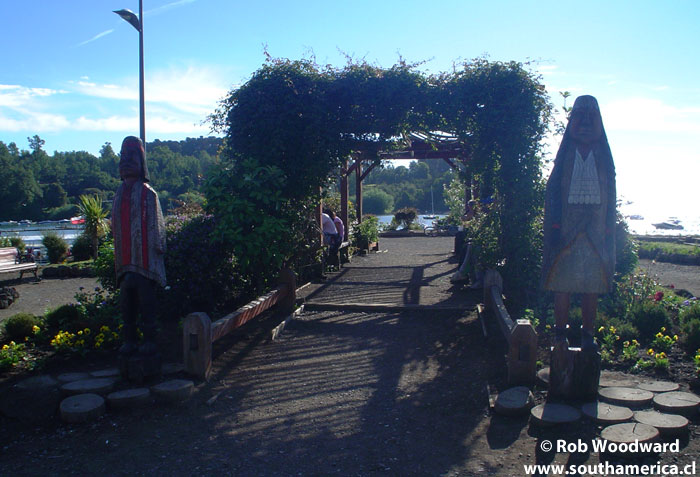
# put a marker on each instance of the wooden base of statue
(574, 374)
(139, 368)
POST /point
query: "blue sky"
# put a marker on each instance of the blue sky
(70, 67)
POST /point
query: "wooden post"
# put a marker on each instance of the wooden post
(196, 344)
(574, 374)
(521, 336)
(522, 354)
(358, 189)
(344, 199)
(319, 217)
(289, 280)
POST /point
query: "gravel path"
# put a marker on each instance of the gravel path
(38, 297)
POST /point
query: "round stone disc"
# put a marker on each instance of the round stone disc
(514, 401)
(82, 407)
(629, 432)
(605, 413)
(667, 424)
(614, 380)
(94, 385)
(129, 398)
(658, 386)
(37, 383)
(551, 414)
(70, 377)
(677, 402)
(174, 390)
(172, 368)
(629, 397)
(543, 377)
(105, 373)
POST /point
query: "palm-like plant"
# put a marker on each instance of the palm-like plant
(96, 225)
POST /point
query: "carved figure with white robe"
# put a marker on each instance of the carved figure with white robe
(579, 225)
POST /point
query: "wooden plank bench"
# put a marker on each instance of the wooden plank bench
(199, 333)
(10, 262)
(341, 256)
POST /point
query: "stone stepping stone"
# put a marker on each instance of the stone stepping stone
(82, 407)
(172, 368)
(667, 424)
(175, 390)
(677, 402)
(32, 399)
(605, 413)
(37, 383)
(514, 401)
(609, 380)
(543, 377)
(629, 433)
(70, 377)
(93, 385)
(105, 373)
(129, 398)
(658, 386)
(629, 397)
(550, 414)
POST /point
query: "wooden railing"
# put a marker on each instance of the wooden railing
(199, 333)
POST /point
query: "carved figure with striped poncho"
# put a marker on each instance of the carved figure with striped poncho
(139, 246)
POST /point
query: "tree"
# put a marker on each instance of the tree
(95, 215)
(376, 201)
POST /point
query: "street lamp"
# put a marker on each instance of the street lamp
(137, 22)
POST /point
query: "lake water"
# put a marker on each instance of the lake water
(33, 233)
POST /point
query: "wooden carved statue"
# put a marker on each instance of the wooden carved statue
(579, 224)
(139, 246)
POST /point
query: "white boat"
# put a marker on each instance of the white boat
(670, 224)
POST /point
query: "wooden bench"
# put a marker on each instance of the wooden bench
(341, 256)
(10, 262)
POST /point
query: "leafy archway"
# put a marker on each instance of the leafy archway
(294, 123)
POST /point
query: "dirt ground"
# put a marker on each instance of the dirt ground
(685, 277)
(340, 393)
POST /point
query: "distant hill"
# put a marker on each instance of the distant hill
(191, 145)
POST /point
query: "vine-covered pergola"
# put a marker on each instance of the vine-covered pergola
(295, 124)
(417, 145)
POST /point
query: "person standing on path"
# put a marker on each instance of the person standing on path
(579, 223)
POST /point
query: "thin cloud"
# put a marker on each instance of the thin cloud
(96, 37)
(169, 6)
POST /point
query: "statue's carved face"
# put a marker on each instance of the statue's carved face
(130, 161)
(585, 125)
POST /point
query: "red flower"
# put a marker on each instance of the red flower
(658, 296)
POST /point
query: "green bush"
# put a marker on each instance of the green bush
(82, 248)
(15, 241)
(690, 313)
(691, 335)
(406, 216)
(104, 266)
(56, 247)
(366, 232)
(648, 317)
(66, 318)
(199, 279)
(21, 325)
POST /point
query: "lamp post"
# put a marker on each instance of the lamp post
(137, 22)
